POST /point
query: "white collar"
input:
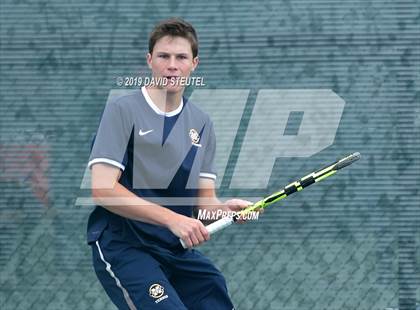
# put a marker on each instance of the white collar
(156, 109)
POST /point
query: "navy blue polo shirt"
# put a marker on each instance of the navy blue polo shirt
(162, 155)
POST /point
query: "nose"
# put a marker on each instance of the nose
(172, 65)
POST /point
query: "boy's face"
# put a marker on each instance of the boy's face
(172, 57)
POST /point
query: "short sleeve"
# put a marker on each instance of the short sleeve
(112, 137)
(208, 168)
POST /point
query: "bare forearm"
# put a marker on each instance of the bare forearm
(121, 201)
(107, 192)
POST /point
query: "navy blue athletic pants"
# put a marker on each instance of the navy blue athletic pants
(136, 278)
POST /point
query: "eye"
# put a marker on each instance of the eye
(163, 56)
(182, 57)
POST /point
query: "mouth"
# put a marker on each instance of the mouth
(173, 80)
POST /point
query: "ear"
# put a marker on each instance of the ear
(149, 60)
(195, 62)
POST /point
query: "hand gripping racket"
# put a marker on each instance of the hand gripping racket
(293, 187)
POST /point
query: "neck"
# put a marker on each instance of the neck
(164, 100)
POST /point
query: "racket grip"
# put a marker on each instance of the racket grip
(215, 227)
(219, 225)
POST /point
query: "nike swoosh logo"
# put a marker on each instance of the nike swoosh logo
(143, 133)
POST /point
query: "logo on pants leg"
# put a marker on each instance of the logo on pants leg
(156, 291)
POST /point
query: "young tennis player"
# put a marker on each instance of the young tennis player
(153, 154)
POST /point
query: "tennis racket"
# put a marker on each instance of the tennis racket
(291, 188)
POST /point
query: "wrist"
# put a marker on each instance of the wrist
(168, 218)
(225, 207)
